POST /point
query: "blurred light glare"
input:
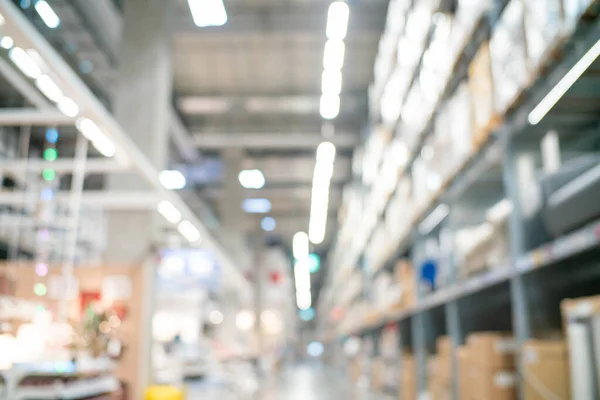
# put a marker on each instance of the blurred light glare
(216, 317)
(47, 14)
(188, 231)
(540, 111)
(52, 135)
(331, 82)
(256, 206)
(307, 315)
(172, 179)
(268, 224)
(333, 55)
(169, 212)
(300, 246)
(68, 107)
(245, 320)
(50, 89)
(329, 106)
(7, 42)
(251, 179)
(326, 153)
(24, 62)
(315, 349)
(337, 20)
(304, 299)
(208, 12)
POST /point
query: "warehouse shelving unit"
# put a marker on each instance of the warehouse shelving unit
(523, 294)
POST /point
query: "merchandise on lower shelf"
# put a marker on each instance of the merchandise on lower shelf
(408, 377)
(582, 326)
(546, 370)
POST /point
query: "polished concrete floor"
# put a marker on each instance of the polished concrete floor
(303, 382)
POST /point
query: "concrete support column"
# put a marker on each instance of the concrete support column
(141, 103)
(233, 218)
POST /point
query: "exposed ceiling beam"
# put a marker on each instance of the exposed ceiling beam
(275, 140)
(23, 85)
(113, 200)
(33, 117)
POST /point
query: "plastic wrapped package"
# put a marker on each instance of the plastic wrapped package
(415, 114)
(481, 88)
(508, 55)
(437, 62)
(574, 10)
(396, 17)
(393, 94)
(400, 212)
(466, 18)
(425, 182)
(461, 129)
(543, 27)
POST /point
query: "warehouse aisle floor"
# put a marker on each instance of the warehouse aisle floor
(301, 383)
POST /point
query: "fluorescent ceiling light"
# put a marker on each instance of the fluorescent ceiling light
(68, 107)
(89, 129)
(24, 62)
(47, 14)
(333, 57)
(304, 300)
(251, 179)
(302, 275)
(172, 179)
(7, 42)
(215, 317)
(540, 111)
(331, 81)
(104, 146)
(256, 206)
(245, 320)
(50, 89)
(268, 224)
(434, 219)
(337, 20)
(188, 231)
(500, 211)
(300, 246)
(330, 106)
(326, 153)
(208, 12)
(2, 20)
(169, 212)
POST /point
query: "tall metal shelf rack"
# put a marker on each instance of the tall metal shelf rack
(523, 296)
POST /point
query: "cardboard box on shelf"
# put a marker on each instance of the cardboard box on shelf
(408, 377)
(582, 326)
(463, 358)
(546, 370)
(444, 349)
(492, 384)
(492, 350)
(377, 374)
(481, 88)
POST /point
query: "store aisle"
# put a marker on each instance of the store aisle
(300, 383)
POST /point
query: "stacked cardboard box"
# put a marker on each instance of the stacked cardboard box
(582, 325)
(486, 367)
(440, 371)
(377, 374)
(408, 378)
(405, 280)
(546, 371)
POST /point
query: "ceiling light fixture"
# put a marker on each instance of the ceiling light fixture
(256, 206)
(319, 205)
(188, 231)
(7, 42)
(331, 82)
(330, 106)
(172, 179)
(50, 89)
(300, 246)
(104, 146)
(251, 179)
(208, 12)
(24, 62)
(337, 20)
(47, 14)
(540, 111)
(169, 212)
(333, 56)
(304, 300)
(68, 107)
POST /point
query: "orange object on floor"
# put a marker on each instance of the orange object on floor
(163, 393)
